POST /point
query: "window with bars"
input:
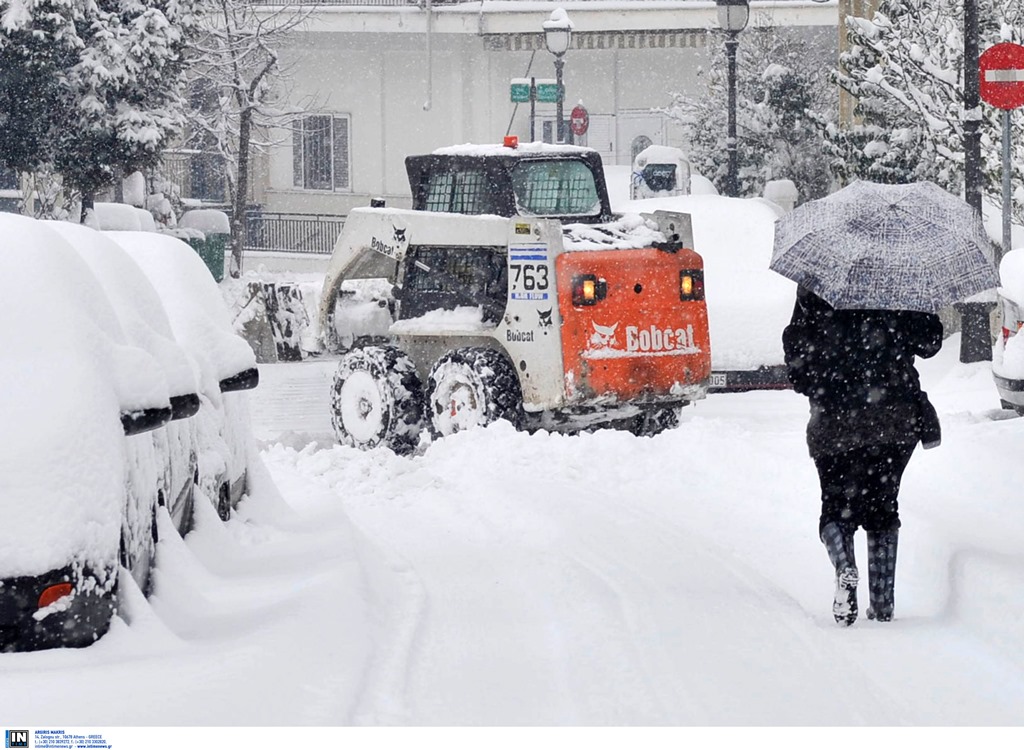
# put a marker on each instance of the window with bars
(557, 187)
(320, 153)
(444, 278)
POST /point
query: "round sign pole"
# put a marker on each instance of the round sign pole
(1007, 240)
(1002, 85)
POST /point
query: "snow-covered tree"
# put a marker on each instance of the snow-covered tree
(775, 89)
(39, 44)
(128, 86)
(91, 88)
(905, 68)
(237, 92)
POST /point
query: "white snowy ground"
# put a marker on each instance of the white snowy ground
(499, 578)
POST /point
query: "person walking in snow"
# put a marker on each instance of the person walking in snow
(868, 413)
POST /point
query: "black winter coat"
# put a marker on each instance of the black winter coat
(857, 369)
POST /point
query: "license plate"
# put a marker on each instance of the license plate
(717, 380)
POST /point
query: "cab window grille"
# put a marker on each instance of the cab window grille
(555, 188)
(444, 278)
(463, 192)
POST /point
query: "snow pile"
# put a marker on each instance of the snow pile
(206, 220)
(459, 320)
(122, 217)
(496, 149)
(627, 232)
(1011, 276)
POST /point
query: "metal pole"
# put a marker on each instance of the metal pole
(559, 64)
(1007, 240)
(732, 178)
(975, 326)
(972, 108)
(533, 108)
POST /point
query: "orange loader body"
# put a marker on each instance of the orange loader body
(646, 338)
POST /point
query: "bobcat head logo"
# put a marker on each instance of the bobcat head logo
(399, 234)
(545, 318)
(603, 335)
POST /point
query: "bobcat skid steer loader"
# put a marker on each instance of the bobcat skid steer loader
(515, 294)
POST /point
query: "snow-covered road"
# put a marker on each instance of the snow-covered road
(606, 579)
(497, 578)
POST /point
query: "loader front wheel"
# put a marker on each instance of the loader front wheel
(472, 387)
(376, 400)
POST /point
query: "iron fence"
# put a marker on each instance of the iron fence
(291, 233)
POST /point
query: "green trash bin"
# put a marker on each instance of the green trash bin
(214, 226)
(212, 254)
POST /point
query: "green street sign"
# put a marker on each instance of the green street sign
(520, 92)
(547, 92)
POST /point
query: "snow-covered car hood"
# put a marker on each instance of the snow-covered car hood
(748, 304)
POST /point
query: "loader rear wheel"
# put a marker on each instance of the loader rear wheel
(376, 400)
(472, 387)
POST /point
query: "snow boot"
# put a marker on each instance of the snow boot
(882, 574)
(839, 545)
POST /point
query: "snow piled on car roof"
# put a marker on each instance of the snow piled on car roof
(193, 302)
(135, 300)
(65, 377)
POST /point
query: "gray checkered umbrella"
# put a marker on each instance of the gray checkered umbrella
(886, 247)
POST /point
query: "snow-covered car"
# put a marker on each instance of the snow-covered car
(1008, 350)
(145, 323)
(659, 172)
(748, 304)
(122, 217)
(75, 401)
(227, 364)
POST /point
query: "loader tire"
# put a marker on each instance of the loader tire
(377, 400)
(472, 387)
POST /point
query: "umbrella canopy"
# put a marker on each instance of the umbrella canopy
(886, 247)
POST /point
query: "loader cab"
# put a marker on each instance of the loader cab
(553, 181)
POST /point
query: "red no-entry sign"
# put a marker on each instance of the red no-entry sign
(579, 120)
(1002, 75)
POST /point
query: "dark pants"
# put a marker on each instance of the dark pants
(860, 488)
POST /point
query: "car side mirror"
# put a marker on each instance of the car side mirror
(244, 381)
(184, 406)
(144, 420)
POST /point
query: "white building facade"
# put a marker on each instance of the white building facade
(386, 81)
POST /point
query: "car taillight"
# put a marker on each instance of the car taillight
(587, 289)
(1011, 320)
(53, 593)
(691, 285)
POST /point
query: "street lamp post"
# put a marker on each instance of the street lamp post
(732, 18)
(975, 324)
(557, 35)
